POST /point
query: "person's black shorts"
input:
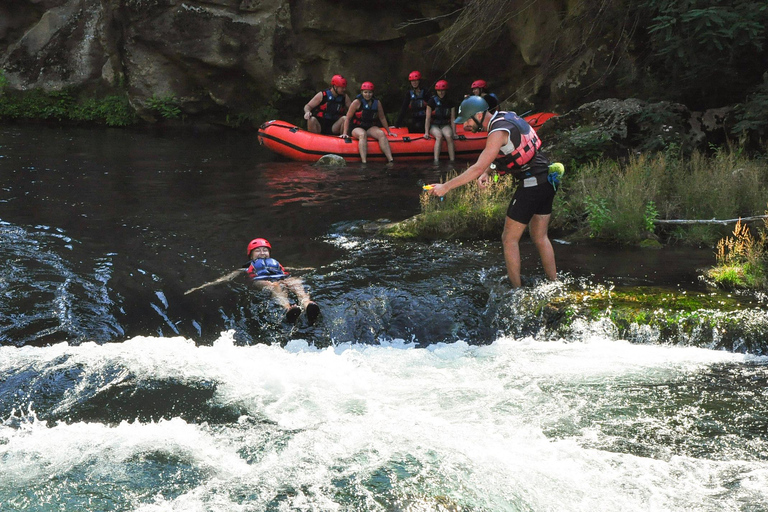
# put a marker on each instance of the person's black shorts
(530, 201)
(326, 126)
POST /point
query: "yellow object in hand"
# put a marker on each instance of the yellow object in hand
(427, 187)
(557, 167)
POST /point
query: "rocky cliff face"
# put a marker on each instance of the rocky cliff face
(232, 56)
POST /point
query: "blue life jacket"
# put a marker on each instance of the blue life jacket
(368, 114)
(441, 115)
(266, 268)
(418, 104)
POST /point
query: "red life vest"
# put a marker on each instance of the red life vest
(514, 157)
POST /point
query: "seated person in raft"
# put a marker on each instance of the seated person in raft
(325, 111)
(441, 114)
(414, 107)
(267, 273)
(366, 113)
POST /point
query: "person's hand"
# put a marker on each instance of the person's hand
(391, 134)
(307, 115)
(437, 189)
(484, 180)
(455, 137)
(426, 136)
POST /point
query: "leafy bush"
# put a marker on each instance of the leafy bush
(166, 106)
(753, 114)
(113, 110)
(707, 48)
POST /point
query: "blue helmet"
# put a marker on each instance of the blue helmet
(471, 106)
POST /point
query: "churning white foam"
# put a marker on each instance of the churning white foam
(368, 427)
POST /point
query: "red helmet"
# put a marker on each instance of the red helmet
(258, 242)
(367, 86)
(441, 85)
(338, 81)
(479, 83)
(415, 75)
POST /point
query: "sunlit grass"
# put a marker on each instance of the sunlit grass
(742, 258)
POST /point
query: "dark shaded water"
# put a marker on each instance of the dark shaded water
(424, 386)
(103, 231)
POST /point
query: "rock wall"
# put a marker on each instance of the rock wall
(233, 56)
(224, 57)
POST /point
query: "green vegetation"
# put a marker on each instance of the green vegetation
(165, 106)
(465, 212)
(742, 258)
(111, 110)
(705, 46)
(716, 320)
(613, 201)
(620, 202)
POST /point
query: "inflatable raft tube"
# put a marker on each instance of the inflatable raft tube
(292, 142)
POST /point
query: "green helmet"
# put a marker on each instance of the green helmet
(470, 107)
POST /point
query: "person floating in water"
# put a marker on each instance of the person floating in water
(268, 274)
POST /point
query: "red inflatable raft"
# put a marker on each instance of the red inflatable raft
(297, 144)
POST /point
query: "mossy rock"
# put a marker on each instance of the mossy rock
(715, 320)
(331, 160)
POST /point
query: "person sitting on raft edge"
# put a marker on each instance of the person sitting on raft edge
(325, 111)
(268, 274)
(366, 113)
(414, 108)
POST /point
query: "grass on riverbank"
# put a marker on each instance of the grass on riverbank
(466, 212)
(614, 201)
(742, 258)
(619, 202)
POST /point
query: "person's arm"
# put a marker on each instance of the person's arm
(312, 105)
(383, 120)
(222, 279)
(348, 118)
(486, 158)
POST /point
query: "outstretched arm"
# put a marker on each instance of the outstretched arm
(222, 279)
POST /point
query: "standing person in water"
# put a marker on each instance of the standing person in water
(325, 111)
(441, 114)
(479, 89)
(512, 146)
(414, 108)
(366, 114)
(268, 274)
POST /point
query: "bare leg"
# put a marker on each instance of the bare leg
(278, 291)
(313, 125)
(378, 134)
(296, 285)
(538, 231)
(510, 240)
(362, 143)
(337, 126)
(437, 133)
(448, 134)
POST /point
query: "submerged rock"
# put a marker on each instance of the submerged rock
(331, 160)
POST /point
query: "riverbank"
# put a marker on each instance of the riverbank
(619, 202)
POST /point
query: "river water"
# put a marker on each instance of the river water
(422, 387)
